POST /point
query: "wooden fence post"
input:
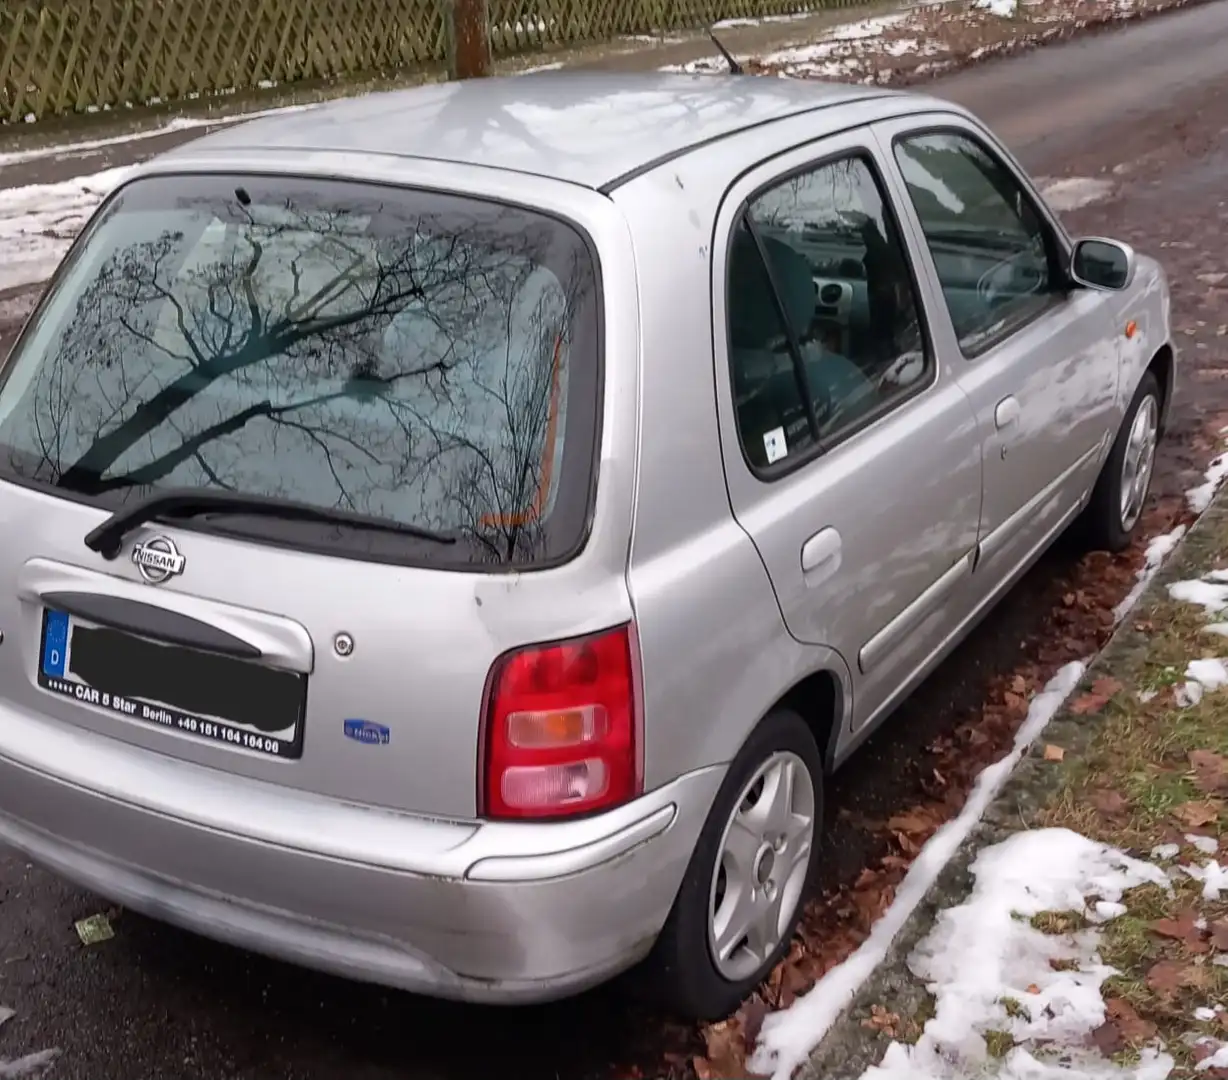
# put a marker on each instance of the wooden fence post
(468, 39)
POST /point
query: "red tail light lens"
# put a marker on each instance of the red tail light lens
(561, 729)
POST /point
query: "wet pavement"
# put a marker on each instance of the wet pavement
(1143, 107)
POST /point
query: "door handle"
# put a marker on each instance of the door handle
(1007, 413)
(821, 549)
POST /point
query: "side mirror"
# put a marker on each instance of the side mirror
(1102, 264)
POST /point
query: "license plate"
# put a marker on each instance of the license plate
(235, 702)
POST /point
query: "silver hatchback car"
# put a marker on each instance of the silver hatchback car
(448, 536)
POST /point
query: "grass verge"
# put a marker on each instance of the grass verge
(1148, 774)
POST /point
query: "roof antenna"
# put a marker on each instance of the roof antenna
(734, 67)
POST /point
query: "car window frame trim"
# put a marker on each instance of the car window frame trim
(407, 560)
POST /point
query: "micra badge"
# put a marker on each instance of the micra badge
(364, 731)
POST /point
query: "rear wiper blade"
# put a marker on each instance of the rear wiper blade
(108, 538)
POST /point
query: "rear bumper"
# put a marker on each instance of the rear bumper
(493, 912)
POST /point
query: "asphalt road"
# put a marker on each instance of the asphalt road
(157, 1004)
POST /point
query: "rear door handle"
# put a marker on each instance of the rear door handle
(1006, 414)
(821, 551)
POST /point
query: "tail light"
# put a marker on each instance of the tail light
(561, 729)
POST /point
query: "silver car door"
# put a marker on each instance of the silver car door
(1038, 360)
(864, 506)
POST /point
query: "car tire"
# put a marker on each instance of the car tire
(747, 843)
(1113, 513)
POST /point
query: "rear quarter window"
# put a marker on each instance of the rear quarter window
(427, 359)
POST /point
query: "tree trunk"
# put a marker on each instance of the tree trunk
(468, 39)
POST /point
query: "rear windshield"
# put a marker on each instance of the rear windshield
(425, 359)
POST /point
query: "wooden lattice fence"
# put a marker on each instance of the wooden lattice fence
(66, 56)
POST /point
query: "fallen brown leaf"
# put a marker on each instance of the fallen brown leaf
(751, 1017)
(1218, 931)
(1210, 771)
(1184, 929)
(725, 1055)
(1109, 803)
(1096, 698)
(911, 822)
(1165, 977)
(883, 1021)
(1033, 989)
(1122, 1028)
(1168, 977)
(1054, 753)
(1136, 1029)
(1196, 814)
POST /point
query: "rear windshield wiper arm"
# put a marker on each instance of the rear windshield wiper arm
(108, 538)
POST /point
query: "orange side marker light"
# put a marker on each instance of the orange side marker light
(1131, 329)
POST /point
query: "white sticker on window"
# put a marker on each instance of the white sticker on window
(774, 444)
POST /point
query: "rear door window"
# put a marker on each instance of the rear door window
(426, 359)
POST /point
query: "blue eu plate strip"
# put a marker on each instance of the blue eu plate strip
(55, 644)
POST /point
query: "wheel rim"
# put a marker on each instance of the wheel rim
(762, 867)
(1138, 462)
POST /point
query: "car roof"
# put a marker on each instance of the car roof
(589, 128)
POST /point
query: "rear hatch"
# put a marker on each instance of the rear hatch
(272, 453)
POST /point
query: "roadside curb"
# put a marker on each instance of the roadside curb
(850, 1047)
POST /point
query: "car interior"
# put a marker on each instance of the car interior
(841, 294)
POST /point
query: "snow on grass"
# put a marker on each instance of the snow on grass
(1034, 987)
(787, 1037)
(1004, 9)
(1199, 498)
(1206, 845)
(1214, 879)
(1201, 676)
(1218, 1060)
(1211, 596)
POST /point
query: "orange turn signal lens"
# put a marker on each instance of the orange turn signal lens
(556, 728)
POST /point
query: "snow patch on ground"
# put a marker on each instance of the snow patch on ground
(1159, 548)
(28, 1066)
(1211, 596)
(38, 222)
(1199, 498)
(818, 59)
(1072, 192)
(1013, 987)
(1218, 1060)
(1004, 9)
(1201, 676)
(179, 123)
(788, 1037)
(1214, 879)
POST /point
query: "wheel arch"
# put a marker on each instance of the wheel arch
(820, 700)
(1164, 366)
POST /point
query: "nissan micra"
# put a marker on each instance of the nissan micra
(449, 535)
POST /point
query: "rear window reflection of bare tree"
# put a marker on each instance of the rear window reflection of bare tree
(416, 371)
